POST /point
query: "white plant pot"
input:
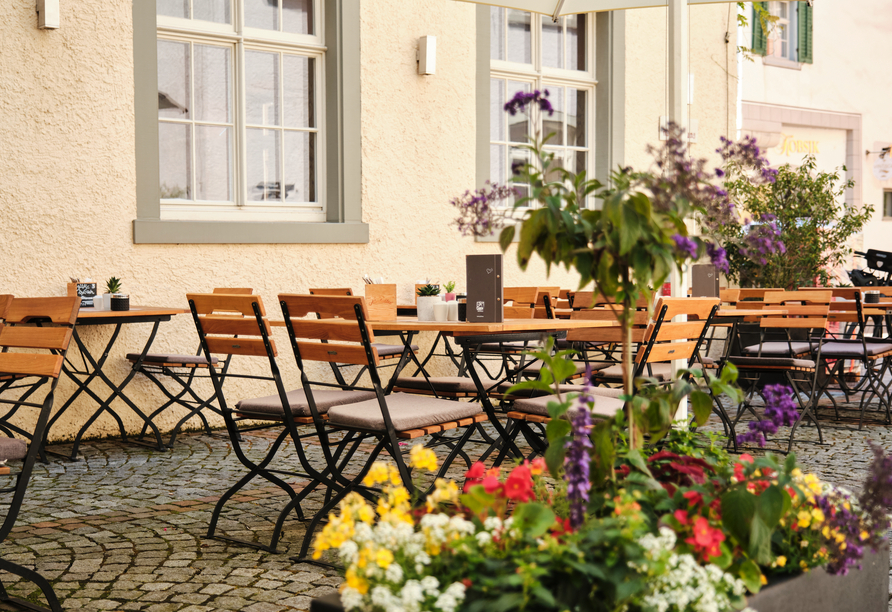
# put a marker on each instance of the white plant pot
(106, 301)
(425, 305)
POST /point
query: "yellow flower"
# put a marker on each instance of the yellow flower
(817, 516)
(383, 558)
(781, 561)
(423, 458)
(803, 564)
(377, 474)
(763, 579)
(864, 535)
(444, 491)
(355, 582)
(796, 473)
(804, 519)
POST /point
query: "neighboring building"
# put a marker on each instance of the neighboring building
(184, 145)
(818, 85)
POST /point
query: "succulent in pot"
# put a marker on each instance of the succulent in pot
(428, 295)
(114, 299)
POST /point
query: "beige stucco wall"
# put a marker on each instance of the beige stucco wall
(67, 179)
(849, 75)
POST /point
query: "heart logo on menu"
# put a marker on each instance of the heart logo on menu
(489, 270)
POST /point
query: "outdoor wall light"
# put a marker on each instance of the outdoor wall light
(48, 14)
(426, 55)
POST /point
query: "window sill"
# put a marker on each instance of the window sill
(777, 62)
(157, 231)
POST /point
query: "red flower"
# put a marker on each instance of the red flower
(491, 484)
(561, 527)
(623, 470)
(681, 516)
(706, 539)
(538, 466)
(694, 498)
(467, 582)
(474, 476)
(747, 458)
(519, 485)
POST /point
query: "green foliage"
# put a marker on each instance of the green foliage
(113, 285)
(814, 221)
(449, 286)
(428, 290)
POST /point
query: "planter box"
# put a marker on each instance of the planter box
(817, 591)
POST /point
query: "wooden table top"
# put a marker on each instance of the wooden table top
(467, 328)
(135, 311)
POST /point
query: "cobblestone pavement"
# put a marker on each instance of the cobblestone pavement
(124, 529)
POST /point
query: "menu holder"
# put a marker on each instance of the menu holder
(380, 301)
(86, 291)
(484, 277)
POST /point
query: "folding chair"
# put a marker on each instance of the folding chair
(43, 327)
(385, 419)
(184, 371)
(783, 360)
(237, 325)
(871, 354)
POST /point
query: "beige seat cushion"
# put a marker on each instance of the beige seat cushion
(852, 350)
(12, 449)
(297, 399)
(407, 411)
(771, 362)
(777, 349)
(565, 388)
(386, 350)
(534, 370)
(605, 405)
(442, 384)
(661, 371)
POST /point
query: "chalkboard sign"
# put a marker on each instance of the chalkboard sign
(86, 291)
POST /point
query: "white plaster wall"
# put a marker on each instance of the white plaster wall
(67, 180)
(712, 62)
(849, 74)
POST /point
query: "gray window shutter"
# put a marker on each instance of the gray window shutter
(805, 33)
(760, 40)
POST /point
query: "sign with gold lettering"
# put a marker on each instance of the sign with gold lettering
(827, 146)
(790, 145)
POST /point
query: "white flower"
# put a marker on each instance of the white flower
(394, 572)
(382, 597)
(492, 523)
(351, 598)
(431, 586)
(483, 538)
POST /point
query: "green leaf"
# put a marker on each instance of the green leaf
(701, 404)
(533, 519)
(557, 428)
(636, 459)
(725, 559)
(771, 506)
(554, 456)
(760, 541)
(545, 596)
(751, 576)
(477, 499)
(738, 510)
(506, 237)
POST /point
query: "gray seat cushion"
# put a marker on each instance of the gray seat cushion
(771, 362)
(386, 350)
(565, 388)
(660, 371)
(534, 370)
(12, 449)
(510, 346)
(297, 399)
(605, 405)
(172, 358)
(853, 350)
(443, 384)
(407, 411)
(774, 349)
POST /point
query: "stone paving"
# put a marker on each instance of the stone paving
(124, 529)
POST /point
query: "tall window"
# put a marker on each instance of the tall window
(527, 52)
(239, 99)
(788, 36)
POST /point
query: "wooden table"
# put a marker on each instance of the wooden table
(90, 367)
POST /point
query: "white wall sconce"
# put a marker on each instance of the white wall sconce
(48, 14)
(427, 55)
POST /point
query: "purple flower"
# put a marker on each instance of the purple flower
(718, 256)
(719, 172)
(685, 247)
(522, 100)
(478, 213)
(576, 462)
(780, 409)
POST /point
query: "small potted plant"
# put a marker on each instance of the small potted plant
(114, 299)
(450, 291)
(428, 295)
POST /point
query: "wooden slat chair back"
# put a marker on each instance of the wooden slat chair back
(520, 296)
(668, 340)
(756, 295)
(42, 328)
(226, 333)
(341, 332)
(592, 299)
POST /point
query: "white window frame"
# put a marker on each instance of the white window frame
(789, 25)
(241, 39)
(542, 77)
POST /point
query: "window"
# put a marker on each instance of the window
(789, 34)
(244, 130)
(255, 146)
(887, 204)
(530, 52)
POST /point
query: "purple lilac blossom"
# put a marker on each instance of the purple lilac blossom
(838, 519)
(521, 100)
(718, 256)
(780, 409)
(478, 214)
(576, 461)
(685, 247)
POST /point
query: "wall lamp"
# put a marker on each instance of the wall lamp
(426, 55)
(48, 14)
